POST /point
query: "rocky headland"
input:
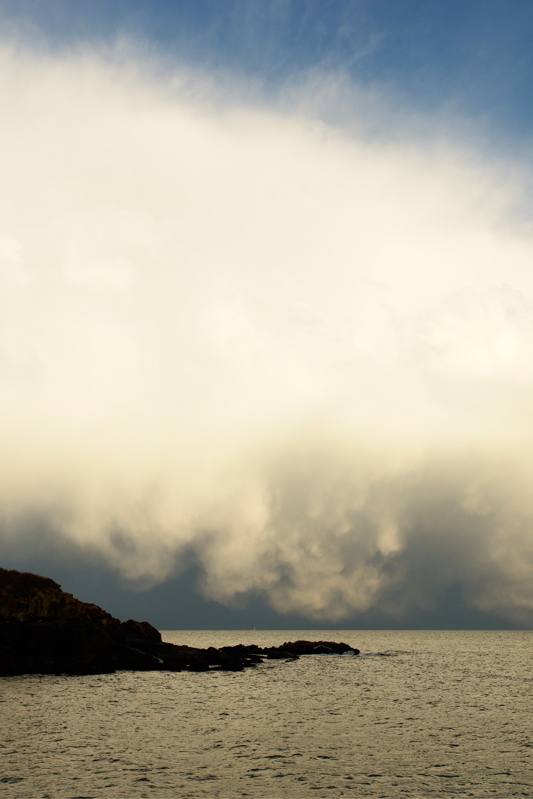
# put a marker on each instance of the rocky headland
(44, 630)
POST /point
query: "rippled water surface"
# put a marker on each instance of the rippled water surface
(444, 714)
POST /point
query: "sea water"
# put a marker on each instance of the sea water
(417, 714)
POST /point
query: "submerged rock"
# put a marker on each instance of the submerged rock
(44, 630)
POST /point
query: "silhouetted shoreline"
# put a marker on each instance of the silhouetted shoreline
(44, 630)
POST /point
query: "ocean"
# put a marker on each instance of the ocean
(417, 714)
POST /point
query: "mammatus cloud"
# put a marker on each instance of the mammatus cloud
(299, 352)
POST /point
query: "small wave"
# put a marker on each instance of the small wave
(389, 653)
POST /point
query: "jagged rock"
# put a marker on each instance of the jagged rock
(293, 649)
(44, 630)
(232, 665)
(142, 630)
(280, 654)
(254, 659)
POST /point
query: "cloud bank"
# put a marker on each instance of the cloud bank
(294, 351)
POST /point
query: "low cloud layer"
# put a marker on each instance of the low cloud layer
(294, 352)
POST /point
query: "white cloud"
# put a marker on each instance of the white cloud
(241, 329)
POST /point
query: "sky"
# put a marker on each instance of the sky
(266, 309)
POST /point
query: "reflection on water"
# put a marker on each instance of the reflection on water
(445, 714)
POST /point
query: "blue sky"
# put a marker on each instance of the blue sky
(266, 308)
(472, 58)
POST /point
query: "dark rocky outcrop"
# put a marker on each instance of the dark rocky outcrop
(44, 630)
